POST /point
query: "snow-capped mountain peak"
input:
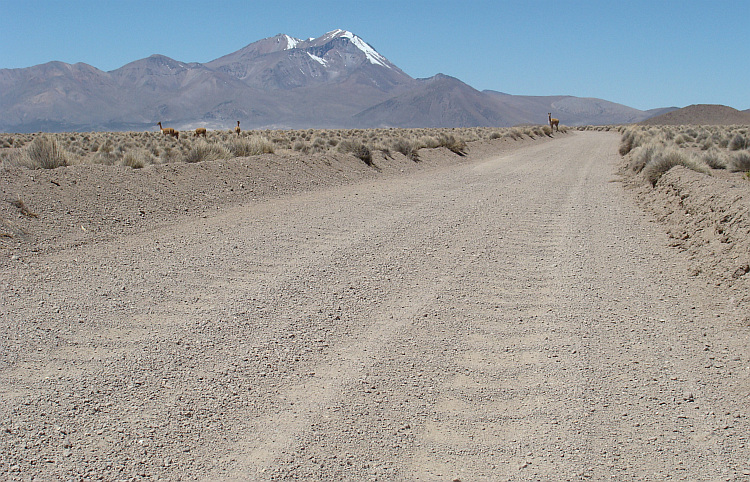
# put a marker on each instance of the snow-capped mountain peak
(372, 55)
(291, 42)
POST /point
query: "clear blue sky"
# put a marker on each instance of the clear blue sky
(641, 53)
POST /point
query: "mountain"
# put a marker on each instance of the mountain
(336, 80)
(570, 110)
(701, 114)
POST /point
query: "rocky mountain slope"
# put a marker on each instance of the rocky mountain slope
(336, 80)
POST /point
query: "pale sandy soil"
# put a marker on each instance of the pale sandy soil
(511, 315)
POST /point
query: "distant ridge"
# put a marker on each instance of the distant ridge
(701, 114)
(334, 81)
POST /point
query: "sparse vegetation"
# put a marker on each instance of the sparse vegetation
(408, 148)
(715, 159)
(43, 153)
(453, 143)
(142, 149)
(666, 159)
(203, 151)
(739, 162)
(738, 142)
(356, 148)
(654, 150)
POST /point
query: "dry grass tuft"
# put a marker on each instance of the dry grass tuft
(666, 159)
(203, 151)
(43, 153)
(406, 147)
(453, 143)
(356, 148)
(739, 162)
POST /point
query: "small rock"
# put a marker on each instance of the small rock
(741, 271)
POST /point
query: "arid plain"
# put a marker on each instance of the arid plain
(508, 304)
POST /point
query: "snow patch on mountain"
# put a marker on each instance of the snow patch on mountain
(320, 60)
(372, 55)
(291, 42)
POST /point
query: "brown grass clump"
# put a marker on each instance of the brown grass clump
(406, 147)
(43, 153)
(715, 159)
(253, 146)
(453, 143)
(138, 158)
(204, 151)
(357, 149)
(739, 162)
(666, 159)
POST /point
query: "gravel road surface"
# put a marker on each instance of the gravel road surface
(517, 318)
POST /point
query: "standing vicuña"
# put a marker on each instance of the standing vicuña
(237, 129)
(168, 131)
(201, 131)
(553, 123)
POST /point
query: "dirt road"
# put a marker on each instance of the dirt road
(518, 318)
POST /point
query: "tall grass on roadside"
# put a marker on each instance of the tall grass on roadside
(203, 151)
(408, 148)
(137, 158)
(43, 153)
(715, 159)
(253, 146)
(642, 155)
(628, 142)
(738, 142)
(666, 159)
(356, 148)
(739, 162)
(453, 143)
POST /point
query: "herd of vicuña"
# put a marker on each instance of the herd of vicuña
(200, 131)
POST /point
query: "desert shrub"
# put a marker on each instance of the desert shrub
(739, 162)
(665, 159)
(628, 142)
(738, 142)
(547, 131)
(715, 159)
(203, 151)
(429, 142)
(253, 146)
(642, 155)
(44, 153)
(408, 148)
(682, 139)
(301, 146)
(137, 158)
(496, 135)
(105, 158)
(453, 143)
(356, 148)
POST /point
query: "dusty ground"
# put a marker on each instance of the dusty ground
(511, 315)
